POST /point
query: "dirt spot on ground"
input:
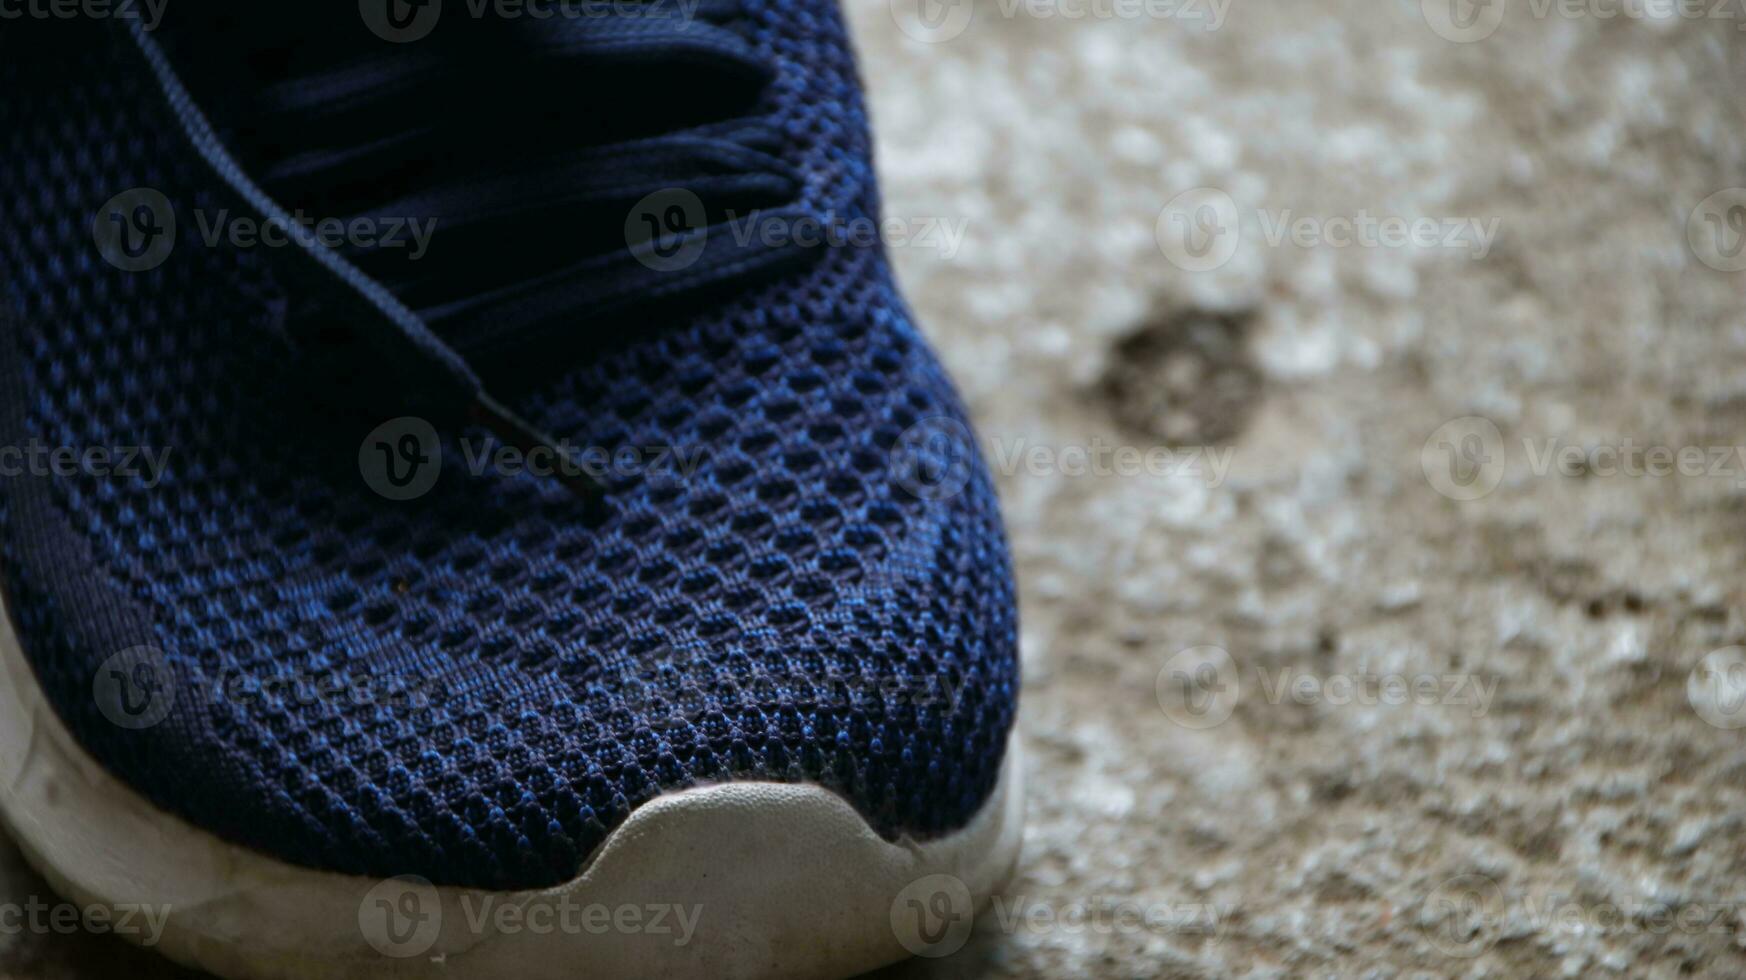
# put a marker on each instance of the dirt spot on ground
(1184, 378)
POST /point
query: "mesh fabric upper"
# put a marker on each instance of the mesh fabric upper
(519, 678)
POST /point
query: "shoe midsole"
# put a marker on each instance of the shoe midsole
(746, 878)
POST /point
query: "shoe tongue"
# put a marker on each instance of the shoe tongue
(272, 38)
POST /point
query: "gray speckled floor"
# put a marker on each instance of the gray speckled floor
(1292, 707)
(1552, 826)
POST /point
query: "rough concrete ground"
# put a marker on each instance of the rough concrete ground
(1585, 819)
(1312, 714)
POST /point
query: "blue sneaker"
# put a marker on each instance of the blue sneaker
(473, 501)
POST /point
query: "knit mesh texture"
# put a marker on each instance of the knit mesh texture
(478, 685)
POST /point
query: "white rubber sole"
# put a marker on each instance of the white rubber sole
(734, 880)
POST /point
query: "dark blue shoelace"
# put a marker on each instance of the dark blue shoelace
(544, 150)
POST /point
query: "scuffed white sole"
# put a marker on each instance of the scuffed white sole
(742, 879)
